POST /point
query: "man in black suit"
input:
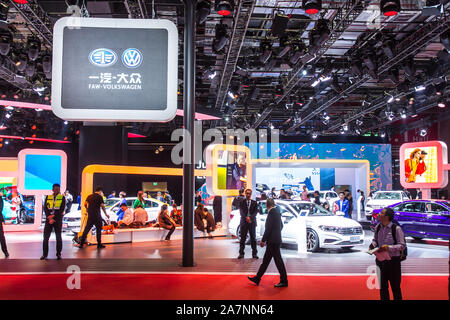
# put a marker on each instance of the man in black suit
(272, 235)
(248, 209)
(2, 235)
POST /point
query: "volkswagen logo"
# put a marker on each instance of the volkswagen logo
(103, 57)
(132, 58)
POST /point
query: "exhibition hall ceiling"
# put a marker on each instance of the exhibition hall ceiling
(355, 67)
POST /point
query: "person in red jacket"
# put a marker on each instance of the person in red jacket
(411, 165)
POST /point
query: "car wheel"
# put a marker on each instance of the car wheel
(312, 240)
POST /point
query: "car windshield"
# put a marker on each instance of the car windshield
(314, 210)
(109, 203)
(387, 196)
(445, 203)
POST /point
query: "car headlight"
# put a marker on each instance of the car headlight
(329, 229)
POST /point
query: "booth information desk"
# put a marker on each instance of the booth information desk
(149, 234)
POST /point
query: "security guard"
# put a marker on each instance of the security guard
(54, 211)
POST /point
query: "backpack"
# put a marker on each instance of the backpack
(404, 252)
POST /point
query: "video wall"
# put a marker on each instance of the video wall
(379, 156)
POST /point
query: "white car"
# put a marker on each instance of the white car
(72, 220)
(330, 196)
(323, 228)
(382, 199)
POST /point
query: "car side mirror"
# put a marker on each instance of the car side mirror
(340, 213)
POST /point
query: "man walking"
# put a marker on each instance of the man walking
(272, 236)
(54, 207)
(93, 204)
(248, 210)
(389, 238)
(2, 234)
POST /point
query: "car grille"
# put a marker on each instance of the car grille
(71, 219)
(350, 231)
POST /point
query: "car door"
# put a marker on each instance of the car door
(411, 218)
(436, 223)
(152, 208)
(289, 226)
(262, 216)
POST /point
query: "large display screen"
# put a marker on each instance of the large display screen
(420, 165)
(17, 208)
(231, 170)
(378, 155)
(42, 171)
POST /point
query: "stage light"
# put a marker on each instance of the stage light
(271, 126)
(314, 135)
(342, 131)
(221, 37)
(317, 36)
(33, 127)
(231, 95)
(203, 11)
(382, 134)
(304, 72)
(390, 7)
(4, 8)
(30, 70)
(47, 63)
(312, 6)
(9, 108)
(345, 127)
(34, 47)
(31, 142)
(423, 132)
(433, 8)
(298, 49)
(390, 99)
(358, 131)
(6, 142)
(66, 122)
(315, 83)
(6, 40)
(224, 7)
(419, 88)
(212, 75)
(403, 113)
(22, 63)
(8, 115)
(441, 104)
(445, 40)
(388, 48)
(359, 122)
(266, 49)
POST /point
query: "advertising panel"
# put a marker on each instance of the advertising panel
(115, 69)
(422, 164)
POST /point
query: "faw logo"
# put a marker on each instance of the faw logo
(132, 58)
(103, 57)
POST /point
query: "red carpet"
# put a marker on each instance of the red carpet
(221, 287)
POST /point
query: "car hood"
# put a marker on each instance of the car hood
(380, 202)
(335, 221)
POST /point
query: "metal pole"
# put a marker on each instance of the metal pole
(188, 139)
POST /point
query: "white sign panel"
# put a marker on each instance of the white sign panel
(115, 69)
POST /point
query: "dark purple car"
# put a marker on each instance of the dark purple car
(421, 218)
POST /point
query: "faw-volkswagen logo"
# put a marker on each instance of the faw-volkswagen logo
(103, 57)
(132, 58)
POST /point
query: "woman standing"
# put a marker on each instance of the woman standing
(140, 201)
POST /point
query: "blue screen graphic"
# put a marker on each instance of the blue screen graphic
(42, 171)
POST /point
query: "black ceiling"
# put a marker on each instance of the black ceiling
(358, 58)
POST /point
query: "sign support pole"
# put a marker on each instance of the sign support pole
(188, 139)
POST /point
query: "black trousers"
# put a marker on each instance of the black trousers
(251, 229)
(48, 228)
(391, 272)
(273, 251)
(98, 226)
(171, 230)
(2, 239)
